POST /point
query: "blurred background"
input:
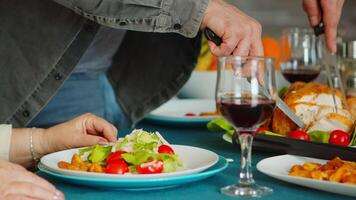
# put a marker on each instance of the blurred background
(277, 14)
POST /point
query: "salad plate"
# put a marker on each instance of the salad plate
(152, 183)
(278, 167)
(184, 111)
(194, 160)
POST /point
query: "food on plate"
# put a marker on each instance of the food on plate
(140, 152)
(314, 104)
(335, 170)
(202, 114)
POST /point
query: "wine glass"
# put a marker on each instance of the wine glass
(245, 96)
(301, 54)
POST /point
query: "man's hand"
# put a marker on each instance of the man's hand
(327, 11)
(82, 131)
(18, 183)
(240, 34)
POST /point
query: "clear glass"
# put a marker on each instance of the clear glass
(245, 96)
(301, 54)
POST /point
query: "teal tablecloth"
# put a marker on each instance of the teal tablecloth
(205, 189)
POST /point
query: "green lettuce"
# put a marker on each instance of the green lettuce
(319, 136)
(220, 124)
(138, 140)
(97, 153)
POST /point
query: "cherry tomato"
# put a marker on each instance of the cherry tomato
(190, 114)
(165, 149)
(259, 130)
(115, 157)
(299, 135)
(150, 167)
(119, 167)
(339, 137)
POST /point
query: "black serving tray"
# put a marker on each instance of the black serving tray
(284, 145)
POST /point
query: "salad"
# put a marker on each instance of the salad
(140, 152)
(334, 137)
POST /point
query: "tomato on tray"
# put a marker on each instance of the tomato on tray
(150, 167)
(299, 135)
(259, 130)
(165, 149)
(339, 137)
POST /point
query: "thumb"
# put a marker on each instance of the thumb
(89, 140)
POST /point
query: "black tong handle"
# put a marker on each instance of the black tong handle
(210, 35)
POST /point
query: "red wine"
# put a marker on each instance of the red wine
(305, 75)
(246, 113)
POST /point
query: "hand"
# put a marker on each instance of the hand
(240, 34)
(329, 11)
(18, 183)
(82, 131)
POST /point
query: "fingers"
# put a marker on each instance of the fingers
(226, 48)
(243, 48)
(240, 34)
(95, 125)
(313, 10)
(31, 190)
(38, 181)
(331, 15)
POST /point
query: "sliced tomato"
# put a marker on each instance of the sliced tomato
(150, 167)
(117, 168)
(259, 130)
(165, 149)
(299, 135)
(114, 157)
(190, 114)
(339, 137)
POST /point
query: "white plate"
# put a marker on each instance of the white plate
(279, 166)
(174, 111)
(194, 160)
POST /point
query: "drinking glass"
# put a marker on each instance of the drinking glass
(245, 96)
(301, 54)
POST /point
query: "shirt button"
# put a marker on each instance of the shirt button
(26, 113)
(177, 26)
(58, 76)
(122, 23)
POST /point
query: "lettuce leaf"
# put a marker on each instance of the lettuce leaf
(97, 153)
(319, 136)
(220, 124)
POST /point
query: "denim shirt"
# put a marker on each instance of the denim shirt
(41, 42)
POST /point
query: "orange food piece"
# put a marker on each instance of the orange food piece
(335, 170)
(271, 48)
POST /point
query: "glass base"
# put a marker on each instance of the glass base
(254, 190)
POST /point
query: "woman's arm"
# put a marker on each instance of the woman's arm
(84, 130)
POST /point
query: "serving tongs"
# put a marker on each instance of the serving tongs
(210, 35)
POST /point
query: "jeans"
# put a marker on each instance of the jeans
(82, 93)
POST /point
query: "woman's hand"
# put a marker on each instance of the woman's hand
(329, 11)
(85, 130)
(18, 183)
(240, 34)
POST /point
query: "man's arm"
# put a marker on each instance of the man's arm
(179, 16)
(241, 34)
(327, 11)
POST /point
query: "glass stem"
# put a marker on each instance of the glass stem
(246, 178)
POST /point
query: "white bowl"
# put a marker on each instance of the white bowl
(201, 85)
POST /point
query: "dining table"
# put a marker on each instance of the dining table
(209, 188)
